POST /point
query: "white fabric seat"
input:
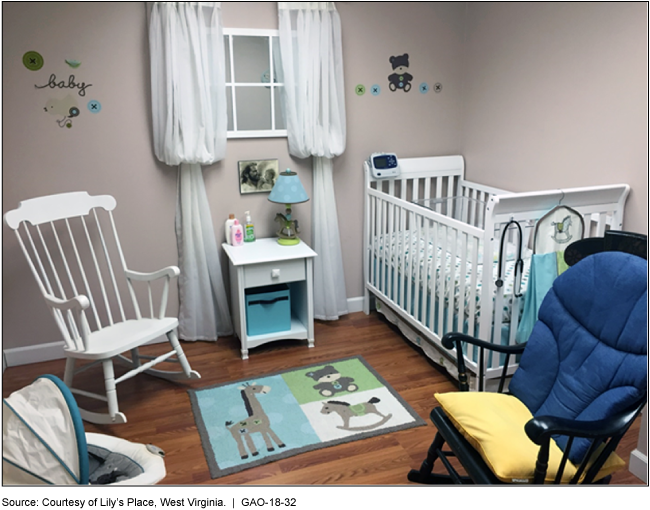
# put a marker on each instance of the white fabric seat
(44, 442)
(72, 247)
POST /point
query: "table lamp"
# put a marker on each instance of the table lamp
(288, 190)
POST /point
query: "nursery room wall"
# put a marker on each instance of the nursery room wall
(110, 152)
(462, 47)
(556, 95)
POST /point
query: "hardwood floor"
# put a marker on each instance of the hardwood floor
(159, 411)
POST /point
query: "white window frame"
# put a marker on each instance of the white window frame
(233, 84)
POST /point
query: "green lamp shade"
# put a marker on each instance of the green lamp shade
(288, 189)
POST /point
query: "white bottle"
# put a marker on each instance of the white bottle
(236, 234)
(249, 228)
(229, 223)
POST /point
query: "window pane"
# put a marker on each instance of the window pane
(279, 117)
(253, 108)
(229, 104)
(251, 55)
(226, 42)
(277, 62)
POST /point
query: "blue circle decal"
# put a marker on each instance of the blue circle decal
(94, 106)
(375, 90)
(424, 88)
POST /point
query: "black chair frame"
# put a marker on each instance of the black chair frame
(603, 433)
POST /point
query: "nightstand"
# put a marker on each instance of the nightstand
(265, 263)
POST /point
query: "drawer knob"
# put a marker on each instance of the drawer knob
(275, 273)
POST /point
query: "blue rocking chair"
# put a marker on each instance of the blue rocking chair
(581, 382)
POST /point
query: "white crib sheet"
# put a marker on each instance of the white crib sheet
(433, 256)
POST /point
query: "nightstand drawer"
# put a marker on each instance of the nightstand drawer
(270, 273)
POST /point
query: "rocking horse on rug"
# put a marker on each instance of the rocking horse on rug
(257, 421)
(347, 411)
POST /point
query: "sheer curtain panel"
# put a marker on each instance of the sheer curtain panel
(188, 95)
(314, 109)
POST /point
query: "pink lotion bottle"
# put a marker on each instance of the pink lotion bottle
(236, 234)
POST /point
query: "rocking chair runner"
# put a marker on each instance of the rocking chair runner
(73, 250)
(581, 382)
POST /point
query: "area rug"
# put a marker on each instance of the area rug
(251, 422)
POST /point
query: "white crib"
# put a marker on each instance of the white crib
(432, 251)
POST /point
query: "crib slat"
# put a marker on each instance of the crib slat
(396, 255)
(442, 279)
(373, 259)
(392, 249)
(416, 267)
(473, 289)
(403, 255)
(424, 308)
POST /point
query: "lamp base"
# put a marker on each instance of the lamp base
(288, 242)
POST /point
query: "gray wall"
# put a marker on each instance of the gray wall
(556, 95)
(534, 95)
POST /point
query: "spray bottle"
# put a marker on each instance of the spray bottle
(249, 228)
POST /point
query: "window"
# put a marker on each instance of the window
(252, 87)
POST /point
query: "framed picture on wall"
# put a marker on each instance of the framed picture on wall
(257, 175)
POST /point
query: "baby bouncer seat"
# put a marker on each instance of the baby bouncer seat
(44, 442)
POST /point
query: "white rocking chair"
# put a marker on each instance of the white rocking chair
(80, 269)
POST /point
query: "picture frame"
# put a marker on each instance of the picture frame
(257, 175)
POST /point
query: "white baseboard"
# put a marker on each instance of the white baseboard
(355, 304)
(33, 354)
(639, 465)
(17, 356)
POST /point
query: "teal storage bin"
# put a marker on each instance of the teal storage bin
(268, 310)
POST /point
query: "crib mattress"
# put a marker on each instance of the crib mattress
(407, 249)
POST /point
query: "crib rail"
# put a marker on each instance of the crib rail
(418, 261)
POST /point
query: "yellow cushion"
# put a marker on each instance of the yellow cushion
(493, 423)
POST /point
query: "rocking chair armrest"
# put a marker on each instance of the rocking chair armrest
(541, 428)
(169, 272)
(455, 339)
(451, 340)
(80, 302)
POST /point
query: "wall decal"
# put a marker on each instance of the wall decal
(94, 106)
(72, 63)
(70, 84)
(65, 109)
(360, 90)
(437, 87)
(33, 60)
(375, 90)
(424, 88)
(400, 79)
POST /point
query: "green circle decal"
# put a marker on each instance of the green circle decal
(33, 60)
(360, 90)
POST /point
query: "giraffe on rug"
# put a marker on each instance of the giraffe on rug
(257, 421)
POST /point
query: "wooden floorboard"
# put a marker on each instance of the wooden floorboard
(159, 411)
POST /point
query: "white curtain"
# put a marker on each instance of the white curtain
(188, 95)
(314, 109)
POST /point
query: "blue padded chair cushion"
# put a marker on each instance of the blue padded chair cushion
(587, 355)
